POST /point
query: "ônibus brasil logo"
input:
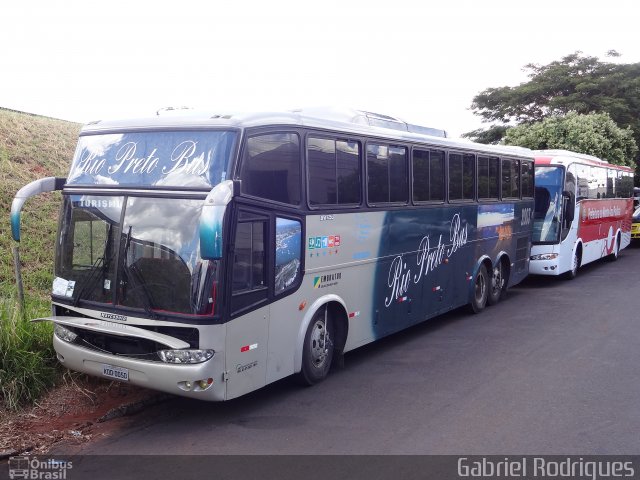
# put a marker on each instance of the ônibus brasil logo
(34, 468)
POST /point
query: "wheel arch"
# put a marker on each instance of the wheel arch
(578, 248)
(483, 260)
(338, 309)
(504, 258)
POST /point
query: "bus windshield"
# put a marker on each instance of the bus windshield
(548, 204)
(134, 252)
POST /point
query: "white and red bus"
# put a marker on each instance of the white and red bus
(583, 208)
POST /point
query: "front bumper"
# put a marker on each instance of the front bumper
(544, 267)
(153, 375)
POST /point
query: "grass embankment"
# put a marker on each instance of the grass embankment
(31, 147)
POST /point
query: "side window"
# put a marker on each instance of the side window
(597, 182)
(510, 178)
(288, 253)
(527, 179)
(583, 173)
(271, 167)
(428, 175)
(249, 278)
(387, 180)
(626, 185)
(570, 179)
(249, 256)
(436, 175)
(611, 181)
(488, 180)
(462, 176)
(334, 171)
(348, 172)
(321, 158)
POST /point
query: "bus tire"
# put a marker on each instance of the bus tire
(498, 283)
(575, 265)
(480, 291)
(317, 351)
(616, 250)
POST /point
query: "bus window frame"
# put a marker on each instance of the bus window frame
(445, 190)
(498, 197)
(503, 197)
(407, 148)
(305, 160)
(257, 208)
(475, 176)
(533, 179)
(237, 174)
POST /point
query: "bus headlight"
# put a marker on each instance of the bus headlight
(185, 356)
(544, 256)
(64, 333)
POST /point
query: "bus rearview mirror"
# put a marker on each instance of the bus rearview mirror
(569, 206)
(48, 184)
(211, 220)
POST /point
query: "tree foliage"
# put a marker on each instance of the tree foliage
(576, 83)
(490, 136)
(593, 134)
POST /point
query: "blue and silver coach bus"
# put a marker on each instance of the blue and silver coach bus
(210, 255)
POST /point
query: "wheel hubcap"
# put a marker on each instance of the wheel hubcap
(319, 343)
(497, 280)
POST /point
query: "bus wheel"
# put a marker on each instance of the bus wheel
(497, 284)
(480, 290)
(317, 351)
(616, 250)
(575, 265)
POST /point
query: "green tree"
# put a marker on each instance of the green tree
(594, 134)
(576, 83)
(490, 136)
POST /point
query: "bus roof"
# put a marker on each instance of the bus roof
(355, 122)
(566, 157)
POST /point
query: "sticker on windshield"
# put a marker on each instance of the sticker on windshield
(62, 287)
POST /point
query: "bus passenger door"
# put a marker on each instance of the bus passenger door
(247, 330)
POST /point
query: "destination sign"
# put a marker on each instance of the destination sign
(158, 158)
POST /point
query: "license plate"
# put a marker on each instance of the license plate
(118, 373)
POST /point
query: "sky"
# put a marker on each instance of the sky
(420, 61)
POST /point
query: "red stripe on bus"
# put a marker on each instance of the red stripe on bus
(543, 160)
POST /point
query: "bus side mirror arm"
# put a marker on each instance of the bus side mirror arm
(48, 184)
(212, 218)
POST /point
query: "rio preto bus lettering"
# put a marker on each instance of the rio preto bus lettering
(427, 260)
(184, 158)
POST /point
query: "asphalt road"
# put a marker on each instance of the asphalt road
(553, 369)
